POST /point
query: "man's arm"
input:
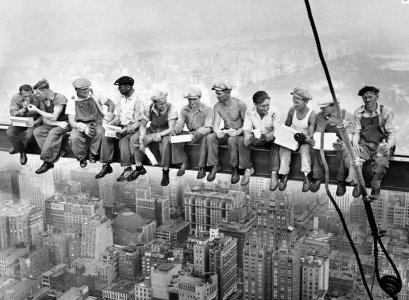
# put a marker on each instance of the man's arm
(180, 122)
(243, 109)
(15, 108)
(390, 127)
(50, 116)
(312, 120)
(289, 120)
(217, 118)
(110, 104)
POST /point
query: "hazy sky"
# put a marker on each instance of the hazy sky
(49, 25)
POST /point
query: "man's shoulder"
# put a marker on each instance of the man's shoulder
(60, 98)
(359, 110)
(16, 97)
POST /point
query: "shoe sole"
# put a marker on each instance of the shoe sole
(44, 171)
(142, 172)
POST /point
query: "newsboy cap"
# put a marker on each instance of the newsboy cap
(159, 95)
(42, 84)
(124, 80)
(81, 83)
(222, 86)
(193, 92)
(302, 94)
(325, 102)
(368, 88)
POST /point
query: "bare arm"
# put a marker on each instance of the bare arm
(217, 119)
(289, 120)
(243, 109)
(50, 116)
(167, 131)
(110, 104)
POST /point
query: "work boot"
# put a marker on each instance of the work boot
(106, 169)
(201, 173)
(127, 171)
(307, 183)
(316, 183)
(183, 169)
(44, 168)
(273, 181)
(341, 188)
(92, 158)
(12, 151)
(23, 157)
(212, 174)
(283, 182)
(83, 162)
(357, 191)
(165, 178)
(235, 176)
(246, 177)
(136, 173)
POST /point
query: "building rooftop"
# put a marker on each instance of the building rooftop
(145, 284)
(123, 286)
(172, 225)
(130, 221)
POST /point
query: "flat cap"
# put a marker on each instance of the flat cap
(159, 95)
(81, 83)
(222, 86)
(368, 88)
(124, 80)
(42, 84)
(325, 102)
(193, 92)
(302, 94)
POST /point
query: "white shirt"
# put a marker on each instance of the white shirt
(129, 110)
(100, 100)
(266, 124)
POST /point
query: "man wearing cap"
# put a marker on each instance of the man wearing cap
(198, 119)
(232, 111)
(86, 116)
(128, 114)
(55, 125)
(162, 116)
(21, 137)
(258, 131)
(327, 121)
(374, 139)
(301, 118)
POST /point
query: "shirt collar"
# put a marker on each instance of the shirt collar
(363, 110)
(200, 108)
(153, 109)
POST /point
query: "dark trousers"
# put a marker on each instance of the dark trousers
(342, 166)
(81, 143)
(214, 142)
(245, 155)
(165, 149)
(107, 150)
(20, 137)
(49, 139)
(179, 156)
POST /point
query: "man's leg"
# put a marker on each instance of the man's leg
(274, 165)
(306, 166)
(125, 156)
(245, 161)
(233, 147)
(52, 144)
(379, 168)
(138, 156)
(40, 134)
(342, 165)
(213, 143)
(202, 157)
(79, 142)
(15, 136)
(97, 140)
(107, 155)
(285, 161)
(317, 171)
(165, 150)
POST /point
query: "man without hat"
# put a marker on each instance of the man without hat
(128, 114)
(232, 111)
(301, 118)
(86, 116)
(327, 121)
(50, 134)
(198, 118)
(162, 116)
(258, 129)
(22, 137)
(374, 139)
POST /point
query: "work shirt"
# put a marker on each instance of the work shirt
(55, 99)
(170, 111)
(100, 100)
(194, 119)
(386, 122)
(16, 104)
(266, 124)
(129, 110)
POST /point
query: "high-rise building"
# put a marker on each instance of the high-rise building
(206, 208)
(173, 231)
(161, 277)
(96, 237)
(35, 263)
(223, 262)
(88, 183)
(314, 276)
(57, 246)
(152, 207)
(35, 189)
(256, 186)
(5, 185)
(201, 246)
(106, 190)
(9, 257)
(130, 263)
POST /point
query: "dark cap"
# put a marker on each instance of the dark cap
(368, 88)
(124, 80)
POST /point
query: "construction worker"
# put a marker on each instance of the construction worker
(327, 121)
(55, 125)
(232, 111)
(374, 139)
(258, 130)
(162, 116)
(128, 114)
(22, 137)
(86, 116)
(198, 118)
(301, 118)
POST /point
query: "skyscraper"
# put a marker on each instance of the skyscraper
(314, 276)
(96, 237)
(36, 189)
(152, 207)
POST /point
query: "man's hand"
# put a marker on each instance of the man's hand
(63, 124)
(90, 131)
(120, 134)
(338, 145)
(270, 136)
(31, 108)
(154, 137)
(220, 134)
(300, 137)
(172, 132)
(232, 132)
(196, 137)
(115, 122)
(142, 148)
(247, 139)
(258, 142)
(310, 140)
(357, 149)
(109, 116)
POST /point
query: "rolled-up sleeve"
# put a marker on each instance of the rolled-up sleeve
(15, 105)
(276, 117)
(173, 113)
(146, 113)
(356, 126)
(181, 121)
(248, 122)
(390, 127)
(70, 109)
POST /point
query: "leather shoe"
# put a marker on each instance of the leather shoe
(125, 174)
(136, 173)
(357, 191)
(273, 181)
(183, 169)
(44, 168)
(283, 182)
(316, 183)
(23, 158)
(212, 174)
(235, 176)
(92, 158)
(375, 195)
(106, 169)
(246, 177)
(165, 178)
(83, 162)
(307, 183)
(201, 173)
(341, 189)
(12, 151)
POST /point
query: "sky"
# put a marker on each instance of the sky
(40, 26)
